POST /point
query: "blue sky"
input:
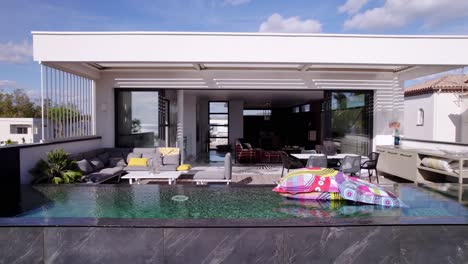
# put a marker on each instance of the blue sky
(19, 17)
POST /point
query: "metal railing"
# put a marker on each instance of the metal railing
(68, 108)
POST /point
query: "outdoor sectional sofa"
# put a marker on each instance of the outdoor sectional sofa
(103, 164)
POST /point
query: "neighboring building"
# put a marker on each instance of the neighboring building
(438, 110)
(20, 130)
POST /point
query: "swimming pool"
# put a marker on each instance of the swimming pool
(214, 224)
(220, 202)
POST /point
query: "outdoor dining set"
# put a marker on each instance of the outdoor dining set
(345, 162)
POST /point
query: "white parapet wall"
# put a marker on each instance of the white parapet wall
(31, 154)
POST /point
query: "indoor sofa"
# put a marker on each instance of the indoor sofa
(245, 153)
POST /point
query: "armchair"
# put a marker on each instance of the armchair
(289, 162)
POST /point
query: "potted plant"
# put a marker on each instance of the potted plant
(57, 168)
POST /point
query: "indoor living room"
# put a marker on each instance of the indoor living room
(271, 120)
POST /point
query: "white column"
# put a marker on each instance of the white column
(93, 107)
(180, 124)
(42, 105)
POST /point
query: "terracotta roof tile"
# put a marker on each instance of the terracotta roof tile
(448, 83)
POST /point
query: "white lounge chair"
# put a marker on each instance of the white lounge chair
(204, 177)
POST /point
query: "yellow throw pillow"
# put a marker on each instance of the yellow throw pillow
(184, 167)
(138, 162)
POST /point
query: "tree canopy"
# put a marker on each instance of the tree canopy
(18, 104)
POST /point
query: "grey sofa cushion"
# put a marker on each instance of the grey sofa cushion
(114, 153)
(97, 177)
(168, 167)
(104, 157)
(171, 160)
(144, 150)
(112, 171)
(76, 156)
(132, 155)
(93, 153)
(209, 175)
(117, 162)
(97, 163)
(85, 166)
(136, 168)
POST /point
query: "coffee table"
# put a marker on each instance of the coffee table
(136, 176)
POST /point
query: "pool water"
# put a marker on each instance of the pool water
(221, 202)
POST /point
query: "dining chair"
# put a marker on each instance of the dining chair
(371, 164)
(351, 165)
(289, 162)
(317, 161)
(329, 148)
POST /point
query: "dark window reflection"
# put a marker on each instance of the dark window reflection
(348, 120)
(138, 118)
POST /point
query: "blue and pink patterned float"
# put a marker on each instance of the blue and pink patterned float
(329, 184)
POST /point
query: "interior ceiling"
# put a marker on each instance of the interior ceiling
(260, 98)
(241, 66)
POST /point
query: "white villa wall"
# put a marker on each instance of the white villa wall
(412, 105)
(464, 120)
(447, 115)
(30, 155)
(236, 121)
(105, 110)
(190, 126)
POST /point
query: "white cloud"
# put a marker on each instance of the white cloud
(15, 52)
(236, 2)
(276, 23)
(352, 6)
(7, 84)
(398, 13)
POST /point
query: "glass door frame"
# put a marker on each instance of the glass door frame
(210, 125)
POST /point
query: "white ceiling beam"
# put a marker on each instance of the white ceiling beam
(249, 48)
(305, 67)
(81, 69)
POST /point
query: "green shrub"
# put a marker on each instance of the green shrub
(57, 168)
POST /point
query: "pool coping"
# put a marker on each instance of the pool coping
(212, 223)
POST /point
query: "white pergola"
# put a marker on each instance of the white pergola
(248, 61)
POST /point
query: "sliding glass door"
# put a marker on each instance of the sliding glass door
(348, 120)
(141, 118)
